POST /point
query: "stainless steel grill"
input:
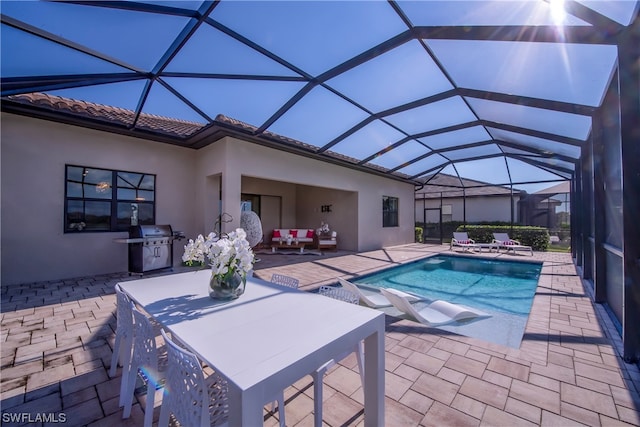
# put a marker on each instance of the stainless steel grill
(150, 247)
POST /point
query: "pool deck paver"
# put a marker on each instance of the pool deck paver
(56, 340)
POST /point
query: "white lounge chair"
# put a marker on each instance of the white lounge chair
(462, 240)
(376, 300)
(436, 313)
(502, 241)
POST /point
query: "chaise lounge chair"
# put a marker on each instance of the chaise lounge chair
(376, 300)
(463, 241)
(502, 241)
(437, 313)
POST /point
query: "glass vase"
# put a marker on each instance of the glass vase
(226, 288)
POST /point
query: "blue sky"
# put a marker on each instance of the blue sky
(306, 39)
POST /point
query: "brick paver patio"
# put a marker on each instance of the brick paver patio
(57, 337)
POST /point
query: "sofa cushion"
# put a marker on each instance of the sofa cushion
(282, 233)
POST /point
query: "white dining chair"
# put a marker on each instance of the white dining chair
(148, 360)
(281, 279)
(123, 344)
(291, 282)
(190, 397)
(352, 298)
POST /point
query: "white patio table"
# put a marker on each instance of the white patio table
(267, 339)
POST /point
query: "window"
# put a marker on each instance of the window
(250, 202)
(389, 211)
(447, 213)
(94, 203)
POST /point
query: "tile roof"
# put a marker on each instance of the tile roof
(108, 114)
(452, 186)
(563, 187)
(174, 128)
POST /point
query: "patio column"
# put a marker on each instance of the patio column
(629, 75)
(577, 244)
(599, 200)
(585, 210)
(231, 191)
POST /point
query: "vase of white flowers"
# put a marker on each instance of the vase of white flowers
(231, 260)
(225, 288)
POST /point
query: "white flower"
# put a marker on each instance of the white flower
(198, 250)
(227, 255)
(324, 228)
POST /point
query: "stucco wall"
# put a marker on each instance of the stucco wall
(34, 154)
(342, 219)
(301, 207)
(254, 160)
(285, 190)
(478, 209)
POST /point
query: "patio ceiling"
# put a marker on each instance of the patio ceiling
(496, 91)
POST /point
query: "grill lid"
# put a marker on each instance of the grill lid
(150, 231)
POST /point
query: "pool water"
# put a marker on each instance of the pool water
(503, 289)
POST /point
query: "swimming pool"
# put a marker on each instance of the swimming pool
(503, 289)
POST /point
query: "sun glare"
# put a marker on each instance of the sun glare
(557, 11)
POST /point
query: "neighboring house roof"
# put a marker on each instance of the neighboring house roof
(549, 201)
(563, 187)
(560, 189)
(449, 186)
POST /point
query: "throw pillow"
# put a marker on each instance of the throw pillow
(276, 233)
(310, 234)
(294, 233)
(509, 243)
(465, 242)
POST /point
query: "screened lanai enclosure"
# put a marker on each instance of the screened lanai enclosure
(449, 202)
(521, 95)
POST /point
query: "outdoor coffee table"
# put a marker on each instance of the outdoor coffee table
(285, 245)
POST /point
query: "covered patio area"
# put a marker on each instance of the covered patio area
(57, 339)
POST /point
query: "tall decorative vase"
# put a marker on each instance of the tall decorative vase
(226, 288)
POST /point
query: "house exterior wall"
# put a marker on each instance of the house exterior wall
(285, 190)
(252, 160)
(478, 209)
(301, 207)
(34, 153)
(491, 209)
(343, 217)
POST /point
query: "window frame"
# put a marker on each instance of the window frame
(390, 211)
(114, 222)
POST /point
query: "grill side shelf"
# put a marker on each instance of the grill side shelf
(123, 240)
